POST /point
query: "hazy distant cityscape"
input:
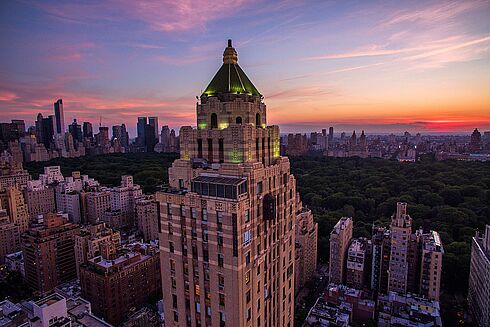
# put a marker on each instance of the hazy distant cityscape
(49, 138)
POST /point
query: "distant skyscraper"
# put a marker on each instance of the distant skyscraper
(475, 142)
(88, 130)
(116, 132)
(119, 132)
(20, 126)
(103, 136)
(140, 129)
(479, 283)
(75, 130)
(59, 116)
(324, 132)
(153, 121)
(339, 244)
(150, 138)
(401, 228)
(330, 134)
(124, 136)
(44, 130)
(353, 139)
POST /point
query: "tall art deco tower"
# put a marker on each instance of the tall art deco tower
(227, 220)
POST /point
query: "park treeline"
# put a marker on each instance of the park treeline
(150, 170)
(451, 197)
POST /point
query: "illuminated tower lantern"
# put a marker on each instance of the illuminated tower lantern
(227, 220)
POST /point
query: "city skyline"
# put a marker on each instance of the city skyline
(387, 68)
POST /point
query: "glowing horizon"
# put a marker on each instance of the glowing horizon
(381, 67)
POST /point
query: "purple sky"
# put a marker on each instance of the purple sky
(382, 66)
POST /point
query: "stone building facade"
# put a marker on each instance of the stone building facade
(227, 238)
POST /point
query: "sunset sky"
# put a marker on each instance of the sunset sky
(387, 66)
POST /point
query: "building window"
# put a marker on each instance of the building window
(247, 277)
(174, 301)
(208, 311)
(199, 148)
(247, 258)
(204, 214)
(221, 260)
(247, 296)
(221, 299)
(198, 307)
(221, 281)
(247, 216)
(214, 120)
(259, 188)
(247, 238)
(219, 217)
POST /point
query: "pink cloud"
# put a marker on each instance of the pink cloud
(70, 52)
(165, 16)
(183, 15)
(7, 96)
(449, 48)
(441, 11)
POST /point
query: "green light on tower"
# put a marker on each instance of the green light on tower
(202, 125)
(235, 156)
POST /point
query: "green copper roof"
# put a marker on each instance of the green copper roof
(230, 78)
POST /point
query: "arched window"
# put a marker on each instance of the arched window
(214, 120)
(239, 120)
(257, 120)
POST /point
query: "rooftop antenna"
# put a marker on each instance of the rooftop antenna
(100, 121)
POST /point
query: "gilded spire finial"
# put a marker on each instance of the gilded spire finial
(230, 56)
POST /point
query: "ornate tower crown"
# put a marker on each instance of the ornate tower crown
(230, 56)
(230, 78)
